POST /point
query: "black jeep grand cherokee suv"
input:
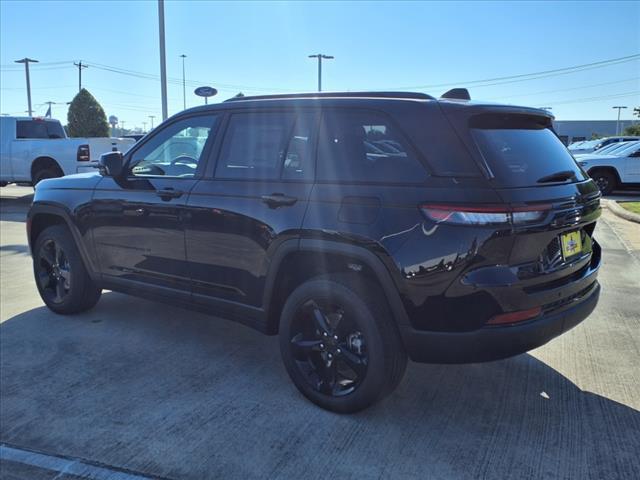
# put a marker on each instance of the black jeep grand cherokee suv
(363, 228)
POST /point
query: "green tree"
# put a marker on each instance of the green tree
(86, 117)
(633, 130)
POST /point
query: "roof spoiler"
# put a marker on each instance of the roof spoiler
(457, 94)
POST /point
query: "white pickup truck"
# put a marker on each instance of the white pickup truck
(32, 149)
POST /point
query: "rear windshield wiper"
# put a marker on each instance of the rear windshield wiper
(558, 177)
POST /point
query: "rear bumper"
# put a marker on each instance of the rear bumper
(497, 342)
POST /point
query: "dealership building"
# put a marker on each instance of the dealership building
(571, 131)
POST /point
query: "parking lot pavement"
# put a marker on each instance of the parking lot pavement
(139, 388)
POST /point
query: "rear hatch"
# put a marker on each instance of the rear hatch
(529, 167)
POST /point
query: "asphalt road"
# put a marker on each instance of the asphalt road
(135, 389)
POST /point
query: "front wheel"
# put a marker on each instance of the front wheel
(61, 277)
(339, 343)
(605, 180)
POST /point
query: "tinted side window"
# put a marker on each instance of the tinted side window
(299, 160)
(255, 145)
(365, 147)
(176, 150)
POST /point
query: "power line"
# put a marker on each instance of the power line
(570, 89)
(533, 75)
(594, 99)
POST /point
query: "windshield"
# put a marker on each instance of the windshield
(589, 144)
(629, 148)
(524, 153)
(609, 149)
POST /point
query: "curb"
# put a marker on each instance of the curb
(619, 211)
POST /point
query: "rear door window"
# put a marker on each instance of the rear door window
(360, 146)
(522, 151)
(268, 146)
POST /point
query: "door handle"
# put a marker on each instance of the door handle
(276, 200)
(167, 193)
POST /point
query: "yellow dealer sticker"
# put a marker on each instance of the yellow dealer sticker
(571, 244)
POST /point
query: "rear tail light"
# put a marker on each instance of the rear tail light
(484, 214)
(83, 153)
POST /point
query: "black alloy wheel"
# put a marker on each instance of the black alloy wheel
(60, 274)
(329, 348)
(605, 180)
(53, 272)
(339, 342)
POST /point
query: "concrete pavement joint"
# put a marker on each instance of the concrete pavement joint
(67, 466)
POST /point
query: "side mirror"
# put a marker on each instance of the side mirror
(111, 164)
(635, 154)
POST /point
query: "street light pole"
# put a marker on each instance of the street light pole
(163, 61)
(184, 88)
(618, 121)
(320, 57)
(26, 62)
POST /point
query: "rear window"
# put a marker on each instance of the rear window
(521, 150)
(38, 129)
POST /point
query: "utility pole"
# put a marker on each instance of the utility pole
(80, 67)
(184, 88)
(320, 57)
(152, 117)
(49, 109)
(122, 127)
(144, 127)
(618, 121)
(26, 62)
(163, 60)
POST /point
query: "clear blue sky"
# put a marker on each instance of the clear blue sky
(262, 47)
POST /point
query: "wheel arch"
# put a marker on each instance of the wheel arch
(297, 261)
(42, 163)
(609, 169)
(42, 216)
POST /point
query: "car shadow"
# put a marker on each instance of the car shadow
(167, 392)
(14, 208)
(15, 249)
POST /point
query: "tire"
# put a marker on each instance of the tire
(363, 364)
(44, 174)
(61, 277)
(605, 180)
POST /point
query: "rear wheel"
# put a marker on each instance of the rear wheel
(605, 180)
(44, 174)
(61, 277)
(339, 343)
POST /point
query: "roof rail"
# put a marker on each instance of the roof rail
(411, 95)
